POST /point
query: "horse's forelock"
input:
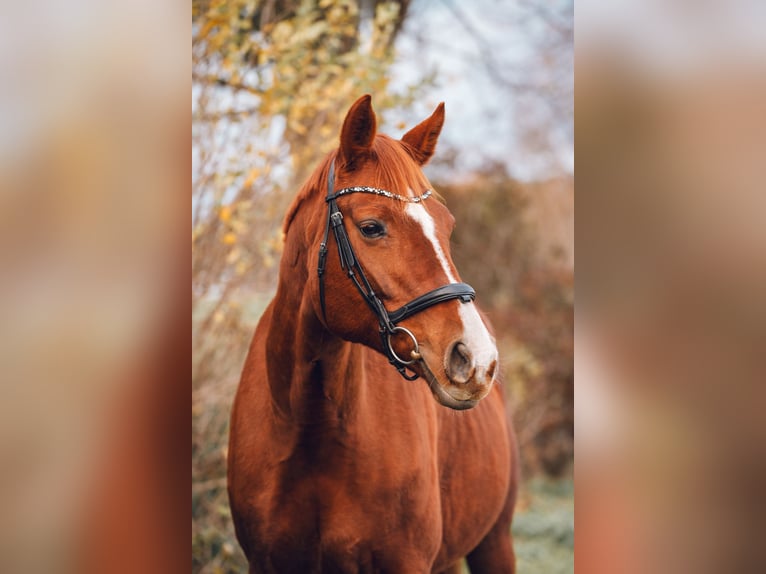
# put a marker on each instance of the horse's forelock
(395, 170)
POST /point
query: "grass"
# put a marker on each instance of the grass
(543, 527)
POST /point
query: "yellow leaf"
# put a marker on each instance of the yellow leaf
(298, 128)
(225, 213)
(233, 256)
(229, 239)
(252, 176)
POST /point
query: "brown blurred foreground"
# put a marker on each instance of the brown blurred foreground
(93, 274)
(671, 315)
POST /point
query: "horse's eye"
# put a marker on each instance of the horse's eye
(372, 229)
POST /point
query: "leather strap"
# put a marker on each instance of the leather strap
(460, 291)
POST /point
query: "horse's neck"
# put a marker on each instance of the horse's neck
(314, 376)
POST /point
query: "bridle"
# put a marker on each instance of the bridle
(350, 263)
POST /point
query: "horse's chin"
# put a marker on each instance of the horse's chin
(442, 395)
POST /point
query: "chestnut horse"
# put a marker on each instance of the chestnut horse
(336, 462)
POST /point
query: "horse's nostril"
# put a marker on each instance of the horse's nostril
(491, 370)
(460, 366)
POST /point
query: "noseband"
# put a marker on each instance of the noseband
(350, 263)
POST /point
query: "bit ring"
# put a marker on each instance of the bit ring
(415, 353)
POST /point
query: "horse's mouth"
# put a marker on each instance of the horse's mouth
(441, 394)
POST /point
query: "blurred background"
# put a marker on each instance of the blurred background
(272, 81)
(671, 315)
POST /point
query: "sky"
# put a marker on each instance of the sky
(482, 117)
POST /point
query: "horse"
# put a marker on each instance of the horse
(339, 459)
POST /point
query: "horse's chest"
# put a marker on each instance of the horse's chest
(313, 552)
(355, 523)
(349, 549)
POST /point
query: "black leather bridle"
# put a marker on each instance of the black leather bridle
(350, 263)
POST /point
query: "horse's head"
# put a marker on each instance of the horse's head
(399, 251)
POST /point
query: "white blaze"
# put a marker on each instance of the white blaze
(475, 334)
(417, 212)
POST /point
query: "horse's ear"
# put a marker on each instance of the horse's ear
(421, 140)
(358, 130)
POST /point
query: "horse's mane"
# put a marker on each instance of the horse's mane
(394, 170)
